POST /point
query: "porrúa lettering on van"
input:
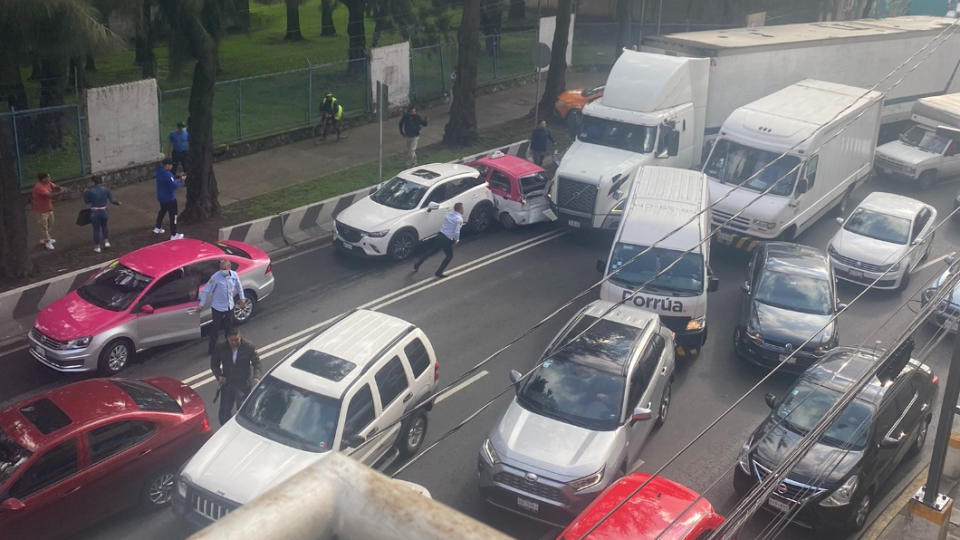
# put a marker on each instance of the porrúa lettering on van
(653, 303)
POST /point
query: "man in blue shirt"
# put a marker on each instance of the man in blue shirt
(449, 236)
(179, 143)
(218, 294)
(167, 186)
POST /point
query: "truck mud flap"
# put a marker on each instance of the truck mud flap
(683, 352)
(737, 241)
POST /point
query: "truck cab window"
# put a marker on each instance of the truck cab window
(631, 137)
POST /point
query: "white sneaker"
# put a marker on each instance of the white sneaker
(49, 245)
(106, 243)
(53, 240)
(96, 249)
(157, 230)
(176, 236)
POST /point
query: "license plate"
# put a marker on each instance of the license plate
(724, 237)
(573, 223)
(550, 215)
(778, 505)
(39, 352)
(855, 274)
(529, 506)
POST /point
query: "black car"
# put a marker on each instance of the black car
(789, 295)
(839, 479)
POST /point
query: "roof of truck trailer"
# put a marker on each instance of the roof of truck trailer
(760, 36)
(663, 199)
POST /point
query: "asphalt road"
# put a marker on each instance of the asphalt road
(502, 283)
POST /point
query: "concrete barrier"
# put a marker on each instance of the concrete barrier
(265, 233)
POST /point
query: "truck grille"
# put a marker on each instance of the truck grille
(888, 163)
(576, 196)
(788, 489)
(677, 324)
(348, 233)
(533, 488)
(739, 223)
(47, 341)
(208, 505)
(853, 263)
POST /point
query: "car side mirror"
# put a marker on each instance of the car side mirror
(949, 260)
(515, 376)
(713, 284)
(802, 186)
(840, 220)
(601, 265)
(146, 308)
(771, 400)
(12, 504)
(915, 242)
(745, 287)
(433, 205)
(641, 414)
(841, 307)
(355, 441)
(663, 154)
(892, 442)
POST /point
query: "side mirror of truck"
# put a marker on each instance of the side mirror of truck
(515, 376)
(802, 186)
(431, 206)
(713, 284)
(601, 265)
(673, 142)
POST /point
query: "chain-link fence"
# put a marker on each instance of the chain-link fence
(50, 139)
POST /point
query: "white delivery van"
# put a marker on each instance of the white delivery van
(669, 206)
(929, 149)
(661, 103)
(828, 132)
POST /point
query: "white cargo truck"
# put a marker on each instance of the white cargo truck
(660, 103)
(826, 134)
(929, 148)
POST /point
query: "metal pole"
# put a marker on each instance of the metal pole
(443, 76)
(239, 109)
(16, 145)
(309, 92)
(380, 122)
(536, 55)
(80, 140)
(944, 426)
(659, 15)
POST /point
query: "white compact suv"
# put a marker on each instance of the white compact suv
(886, 236)
(353, 381)
(410, 207)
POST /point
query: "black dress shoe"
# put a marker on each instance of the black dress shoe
(439, 275)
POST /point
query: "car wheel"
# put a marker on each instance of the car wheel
(742, 482)
(859, 511)
(904, 281)
(412, 435)
(841, 208)
(242, 314)
(927, 179)
(921, 438)
(926, 252)
(480, 218)
(506, 220)
(158, 489)
(664, 407)
(402, 245)
(114, 357)
(788, 235)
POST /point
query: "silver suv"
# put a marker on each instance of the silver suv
(579, 420)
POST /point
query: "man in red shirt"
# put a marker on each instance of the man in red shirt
(44, 192)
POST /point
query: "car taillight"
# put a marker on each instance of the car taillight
(936, 379)
(269, 269)
(204, 424)
(523, 202)
(436, 372)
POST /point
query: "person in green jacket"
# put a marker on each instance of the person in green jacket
(332, 114)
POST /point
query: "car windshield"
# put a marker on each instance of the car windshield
(533, 184)
(115, 288)
(807, 403)
(925, 139)
(632, 137)
(291, 415)
(12, 456)
(399, 193)
(574, 393)
(879, 226)
(795, 292)
(733, 163)
(684, 278)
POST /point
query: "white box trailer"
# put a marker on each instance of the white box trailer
(660, 104)
(826, 134)
(925, 151)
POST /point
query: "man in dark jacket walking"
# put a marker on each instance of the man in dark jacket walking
(410, 124)
(96, 198)
(236, 365)
(538, 142)
(167, 185)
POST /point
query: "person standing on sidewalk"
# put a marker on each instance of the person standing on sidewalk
(96, 198)
(538, 142)
(167, 186)
(44, 191)
(410, 124)
(236, 365)
(449, 236)
(218, 294)
(179, 144)
(332, 114)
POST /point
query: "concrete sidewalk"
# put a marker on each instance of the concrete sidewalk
(248, 176)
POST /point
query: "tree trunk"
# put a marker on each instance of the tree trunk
(293, 21)
(624, 9)
(556, 77)
(144, 41)
(202, 192)
(461, 130)
(518, 10)
(11, 81)
(384, 20)
(90, 63)
(47, 132)
(242, 15)
(357, 48)
(491, 14)
(326, 17)
(14, 250)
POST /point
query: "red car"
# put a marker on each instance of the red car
(648, 514)
(79, 453)
(146, 298)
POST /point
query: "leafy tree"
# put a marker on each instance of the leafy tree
(556, 77)
(461, 129)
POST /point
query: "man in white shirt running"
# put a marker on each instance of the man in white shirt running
(449, 236)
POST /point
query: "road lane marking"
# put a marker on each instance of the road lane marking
(388, 299)
(296, 254)
(932, 262)
(479, 375)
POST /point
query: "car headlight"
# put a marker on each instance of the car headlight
(581, 484)
(821, 350)
(744, 459)
(378, 234)
(79, 343)
(754, 335)
(489, 453)
(843, 494)
(894, 267)
(182, 481)
(764, 225)
(696, 324)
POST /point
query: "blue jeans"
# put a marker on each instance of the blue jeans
(98, 218)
